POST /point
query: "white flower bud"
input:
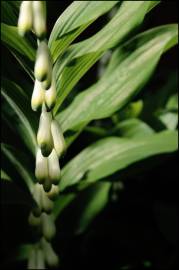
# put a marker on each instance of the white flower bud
(50, 256)
(40, 259)
(25, 18)
(43, 64)
(44, 136)
(33, 220)
(38, 96)
(53, 167)
(39, 18)
(48, 227)
(58, 138)
(47, 204)
(41, 169)
(50, 95)
(38, 199)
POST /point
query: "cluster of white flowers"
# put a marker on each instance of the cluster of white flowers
(50, 140)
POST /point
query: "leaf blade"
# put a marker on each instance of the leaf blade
(113, 154)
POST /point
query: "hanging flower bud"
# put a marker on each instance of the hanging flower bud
(50, 95)
(53, 193)
(44, 136)
(33, 220)
(47, 204)
(38, 199)
(25, 18)
(39, 18)
(31, 264)
(50, 256)
(38, 96)
(48, 227)
(47, 185)
(58, 139)
(40, 259)
(43, 64)
(41, 169)
(53, 167)
(47, 83)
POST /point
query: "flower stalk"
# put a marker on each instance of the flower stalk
(50, 140)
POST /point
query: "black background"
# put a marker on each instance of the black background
(142, 225)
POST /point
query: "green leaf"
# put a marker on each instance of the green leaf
(134, 63)
(81, 56)
(9, 12)
(23, 62)
(169, 119)
(172, 103)
(160, 97)
(109, 155)
(96, 200)
(153, 4)
(4, 176)
(78, 16)
(10, 37)
(132, 128)
(22, 121)
(18, 163)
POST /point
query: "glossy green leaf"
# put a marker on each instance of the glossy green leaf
(14, 158)
(132, 128)
(78, 16)
(95, 203)
(169, 119)
(9, 12)
(81, 56)
(10, 37)
(4, 176)
(134, 63)
(22, 122)
(111, 154)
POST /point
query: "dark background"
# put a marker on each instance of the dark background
(139, 229)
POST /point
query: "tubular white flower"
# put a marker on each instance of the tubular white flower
(38, 199)
(25, 18)
(50, 255)
(50, 95)
(33, 220)
(43, 64)
(41, 169)
(38, 96)
(54, 167)
(47, 204)
(39, 18)
(44, 136)
(58, 138)
(48, 227)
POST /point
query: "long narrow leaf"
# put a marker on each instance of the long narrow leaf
(10, 37)
(124, 78)
(22, 123)
(18, 164)
(112, 154)
(78, 16)
(81, 56)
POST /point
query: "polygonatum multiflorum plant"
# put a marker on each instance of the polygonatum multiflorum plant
(47, 111)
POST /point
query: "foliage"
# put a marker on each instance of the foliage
(122, 128)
